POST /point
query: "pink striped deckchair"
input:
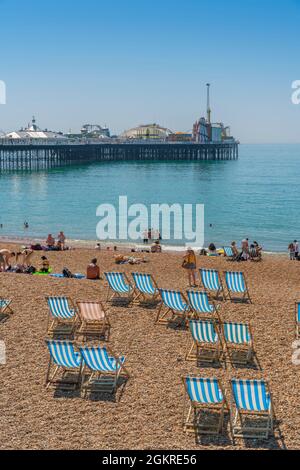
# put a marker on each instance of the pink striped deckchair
(94, 320)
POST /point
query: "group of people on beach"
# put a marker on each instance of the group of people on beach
(21, 262)
(151, 235)
(60, 245)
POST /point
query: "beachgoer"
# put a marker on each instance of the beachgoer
(258, 249)
(296, 249)
(156, 247)
(45, 265)
(93, 270)
(5, 257)
(27, 256)
(50, 242)
(145, 237)
(98, 247)
(291, 249)
(190, 264)
(212, 250)
(235, 251)
(61, 241)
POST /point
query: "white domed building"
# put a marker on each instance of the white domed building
(147, 131)
(32, 131)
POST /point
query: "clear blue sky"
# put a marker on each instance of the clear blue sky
(130, 62)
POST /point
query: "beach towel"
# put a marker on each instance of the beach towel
(40, 273)
(75, 276)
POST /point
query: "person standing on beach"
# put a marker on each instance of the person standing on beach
(190, 264)
(61, 240)
(296, 249)
(146, 237)
(291, 249)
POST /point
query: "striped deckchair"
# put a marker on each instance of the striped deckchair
(236, 285)
(119, 288)
(228, 253)
(101, 370)
(94, 320)
(146, 287)
(64, 359)
(173, 302)
(205, 396)
(212, 282)
(62, 316)
(253, 416)
(5, 306)
(201, 305)
(297, 311)
(207, 345)
(239, 342)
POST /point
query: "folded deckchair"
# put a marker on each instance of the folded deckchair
(201, 305)
(207, 345)
(253, 416)
(229, 253)
(94, 320)
(146, 287)
(297, 308)
(239, 342)
(120, 288)
(101, 370)
(5, 306)
(173, 302)
(66, 361)
(62, 316)
(212, 282)
(236, 284)
(206, 403)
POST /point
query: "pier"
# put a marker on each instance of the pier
(44, 154)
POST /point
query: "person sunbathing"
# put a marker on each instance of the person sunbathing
(50, 242)
(93, 270)
(156, 248)
(5, 258)
(45, 265)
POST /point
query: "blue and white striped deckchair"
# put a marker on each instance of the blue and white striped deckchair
(62, 318)
(238, 339)
(64, 358)
(146, 287)
(228, 252)
(236, 284)
(297, 307)
(204, 395)
(252, 398)
(206, 342)
(173, 302)
(200, 304)
(102, 369)
(5, 306)
(120, 287)
(212, 282)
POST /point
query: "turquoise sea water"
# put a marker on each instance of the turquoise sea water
(256, 196)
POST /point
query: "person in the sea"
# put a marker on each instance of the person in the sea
(190, 265)
(45, 265)
(50, 242)
(5, 259)
(93, 270)
(61, 241)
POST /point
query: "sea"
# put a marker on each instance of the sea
(255, 197)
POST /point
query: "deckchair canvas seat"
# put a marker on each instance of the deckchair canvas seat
(62, 318)
(253, 416)
(202, 306)
(207, 406)
(175, 304)
(237, 286)
(206, 346)
(64, 370)
(239, 342)
(119, 288)
(212, 282)
(146, 287)
(94, 320)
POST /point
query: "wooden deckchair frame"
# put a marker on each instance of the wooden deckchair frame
(218, 292)
(60, 326)
(190, 424)
(244, 352)
(242, 430)
(89, 328)
(7, 309)
(296, 320)
(102, 382)
(146, 298)
(236, 298)
(183, 316)
(203, 315)
(213, 352)
(126, 298)
(64, 382)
